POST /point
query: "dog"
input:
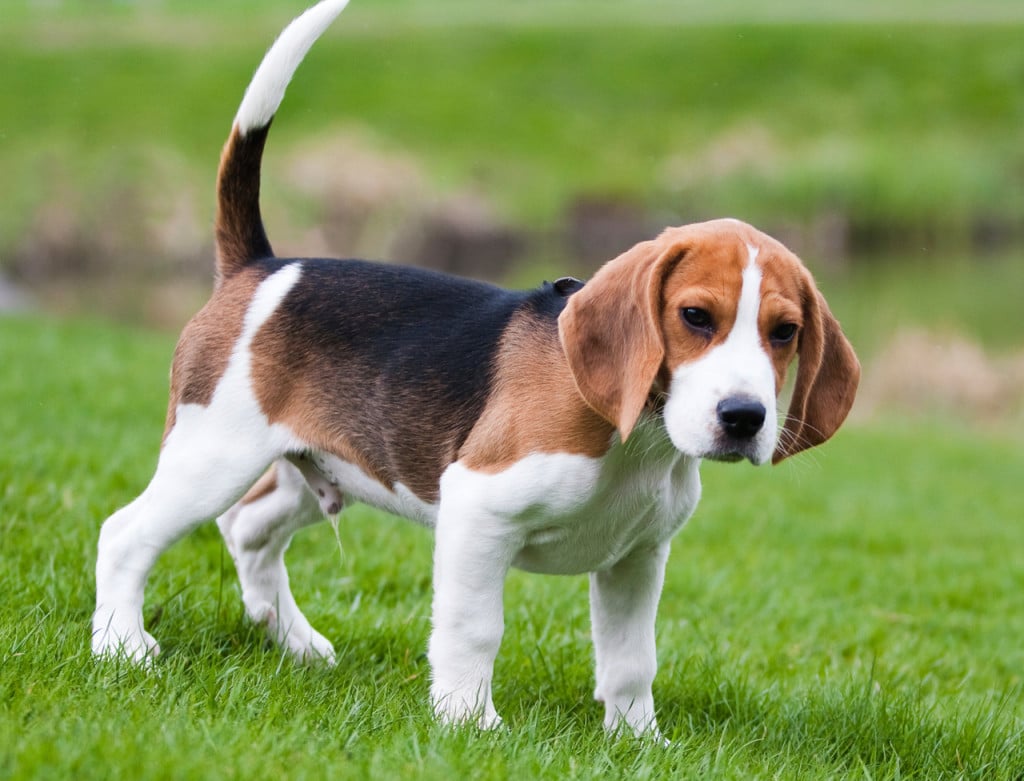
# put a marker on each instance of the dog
(557, 430)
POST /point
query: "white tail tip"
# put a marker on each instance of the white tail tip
(266, 90)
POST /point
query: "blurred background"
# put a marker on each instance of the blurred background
(883, 140)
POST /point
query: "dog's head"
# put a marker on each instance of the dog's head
(711, 315)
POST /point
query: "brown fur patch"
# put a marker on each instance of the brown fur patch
(205, 345)
(534, 407)
(610, 333)
(826, 380)
(709, 276)
(297, 401)
(784, 288)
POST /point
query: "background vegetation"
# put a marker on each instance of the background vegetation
(887, 127)
(856, 613)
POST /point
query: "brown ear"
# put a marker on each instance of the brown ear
(611, 333)
(826, 380)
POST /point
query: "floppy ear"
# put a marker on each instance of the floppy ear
(611, 333)
(826, 380)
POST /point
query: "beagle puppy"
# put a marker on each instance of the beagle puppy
(558, 430)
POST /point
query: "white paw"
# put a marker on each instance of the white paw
(638, 722)
(116, 638)
(294, 634)
(472, 707)
(310, 647)
(261, 612)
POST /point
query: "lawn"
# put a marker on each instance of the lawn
(855, 613)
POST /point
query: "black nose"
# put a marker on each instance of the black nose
(741, 418)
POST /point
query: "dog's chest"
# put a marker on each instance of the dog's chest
(570, 514)
(620, 518)
(603, 531)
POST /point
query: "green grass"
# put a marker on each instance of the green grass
(853, 614)
(897, 117)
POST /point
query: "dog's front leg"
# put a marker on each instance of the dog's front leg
(472, 554)
(623, 603)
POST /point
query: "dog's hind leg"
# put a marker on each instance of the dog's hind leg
(257, 531)
(211, 454)
(205, 465)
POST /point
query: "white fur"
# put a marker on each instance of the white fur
(257, 534)
(623, 603)
(739, 366)
(266, 90)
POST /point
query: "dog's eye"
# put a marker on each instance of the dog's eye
(698, 319)
(783, 333)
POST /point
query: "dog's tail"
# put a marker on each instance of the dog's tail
(239, 224)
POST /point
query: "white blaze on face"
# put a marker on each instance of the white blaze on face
(738, 367)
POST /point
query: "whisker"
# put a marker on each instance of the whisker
(790, 440)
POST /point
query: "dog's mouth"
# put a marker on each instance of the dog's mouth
(729, 458)
(721, 447)
(733, 452)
